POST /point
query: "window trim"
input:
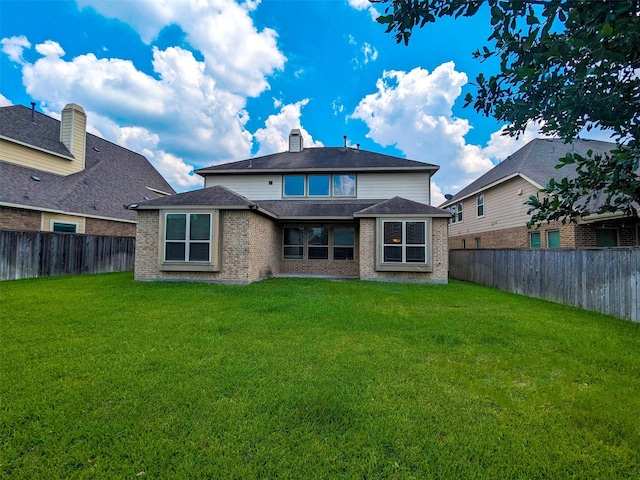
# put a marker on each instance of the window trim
(531, 235)
(404, 266)
(334, 246)
(480, 205)
(213, 265)
(459, 212)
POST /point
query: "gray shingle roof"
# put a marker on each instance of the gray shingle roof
(535, 161)
(216, 196)
(334, 159)
(113, 177)
(310, 209)
(402, 206)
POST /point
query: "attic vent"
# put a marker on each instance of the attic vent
(34, 178)
(295, 141)
(95, 149)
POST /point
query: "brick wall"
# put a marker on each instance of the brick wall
(19, 219)
(265, 240)
(95, 226)
(571, 236)
(440, 256)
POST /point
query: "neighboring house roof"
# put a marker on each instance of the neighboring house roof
(535, 162)
(219, 196)
(113, 175)
(321, 159)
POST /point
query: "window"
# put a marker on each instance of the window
(478, 242)
(343, 243)
(294, 185)
(319, 185)
(64, 227)
(315, 243)
(553, 238)
(459, 212)
(318, 243)
(344, 185)
(480, 205)
(464, 243)
(404, 242)
(534, 240)
(293, 243)
(606, 237)
(187, 237)
(454, 216)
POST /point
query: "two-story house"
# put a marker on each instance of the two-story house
(491, 213)
(54, 176)
(333, 211)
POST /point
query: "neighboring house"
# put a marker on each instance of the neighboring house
(335, 212)
(490, 212)
(56, 177)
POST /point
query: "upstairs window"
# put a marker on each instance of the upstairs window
(480, 205)
(453, 210)
(344, 185)
(459, 209)
(319, 185)
(294, 185)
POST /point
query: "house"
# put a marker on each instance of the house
(54, 176)
(490, 212)
(331, 211)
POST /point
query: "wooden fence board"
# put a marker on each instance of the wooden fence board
(604, 280)
(29, 254)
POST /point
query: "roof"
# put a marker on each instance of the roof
(221, 197)
(402, 206)
(535, 162)
(113, 175)
(320, 159)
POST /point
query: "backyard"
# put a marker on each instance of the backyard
(104, 377)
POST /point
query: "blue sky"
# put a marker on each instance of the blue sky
(192, 83)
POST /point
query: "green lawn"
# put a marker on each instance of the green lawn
(103, 377)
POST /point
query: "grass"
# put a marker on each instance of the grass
(103, 377)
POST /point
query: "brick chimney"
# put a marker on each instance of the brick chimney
(295, 141)
(73, 131)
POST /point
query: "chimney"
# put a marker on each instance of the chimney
(73, 127)
(295, 141)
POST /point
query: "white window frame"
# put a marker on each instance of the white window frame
(213, 264)
(404, 266)
(454, 210)
(459, 212)
(480, 205)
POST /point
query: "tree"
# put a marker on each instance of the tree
(569, 65)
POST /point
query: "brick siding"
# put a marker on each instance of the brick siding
(440, 255)
(95, 226)
(19, 219)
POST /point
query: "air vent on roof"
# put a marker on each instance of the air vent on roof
(95, 149)
(34, 178)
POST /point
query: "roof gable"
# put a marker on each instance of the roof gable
(216, 196)
(401, 206)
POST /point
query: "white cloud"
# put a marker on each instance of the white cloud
(365, 5)
(236, 54)
(13, 47)
(369, 53)
(413, 111)
(50, 49)
(4, 101)
(274, 137)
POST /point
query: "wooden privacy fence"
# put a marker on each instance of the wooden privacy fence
(604, 280)
(26, 254)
